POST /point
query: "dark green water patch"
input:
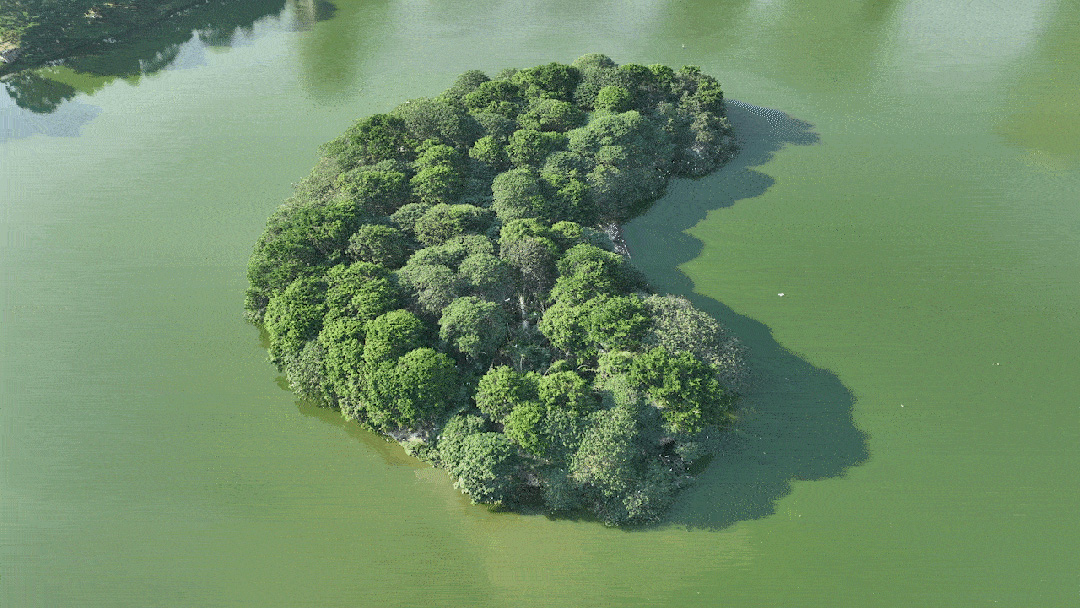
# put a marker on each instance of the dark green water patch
(796, 420)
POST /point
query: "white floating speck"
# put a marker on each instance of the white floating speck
(781, 294)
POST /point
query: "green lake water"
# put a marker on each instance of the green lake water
(912, 437)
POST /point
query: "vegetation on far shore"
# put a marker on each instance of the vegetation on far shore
(33, 32)
(121, 40)
(441, 277)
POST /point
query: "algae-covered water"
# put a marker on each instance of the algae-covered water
(908, 181)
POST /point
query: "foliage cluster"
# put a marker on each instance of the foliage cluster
(439, 277)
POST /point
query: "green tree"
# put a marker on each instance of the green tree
(601, 323)
(377, 192)
(343, 364)
(295, 316)
(305, 371)
(617, 322)
(560, 493)
(632, 156)
(473, 327)
(452, 252)
(451, 438)
(391, 335)
(532, 260)
(566, 324)
(566, 390)
(496, 125)
(505, 261)
(569, 164)
(684, 387)
(677, 326)
(597, 71)
(360, 290)
(586, 271)
(435, 154)
(439, 119)
(491, 152)
(529, 147)
(552, 81)
(438, 184)
(486, 468)
(525, 427)
(527, 228)
(443, 222)
(552, 115)
(370, 140)
(699, 92)
(486, 276)
(412, 391)
(495, 96)
(563, 428)
(663, 76)
(614, 99)
(518, 193)
(573, 198)
(404, 219)
(301, 239)
(607, 461)
(378, 244)
(433, 286)
(583, 235)
(527, 350)
(466, 83)
(502, 389)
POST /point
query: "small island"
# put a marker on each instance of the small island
(451, 275)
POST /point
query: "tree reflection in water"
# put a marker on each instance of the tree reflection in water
(218, 23)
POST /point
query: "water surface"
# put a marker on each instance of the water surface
(912, 435)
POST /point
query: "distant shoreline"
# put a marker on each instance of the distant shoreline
(25, 54)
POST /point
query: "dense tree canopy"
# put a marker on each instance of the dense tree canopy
(441, 277)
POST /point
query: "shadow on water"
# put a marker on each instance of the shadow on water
(161, 45)
(390, 451)
(796, 419)
(310, 12)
